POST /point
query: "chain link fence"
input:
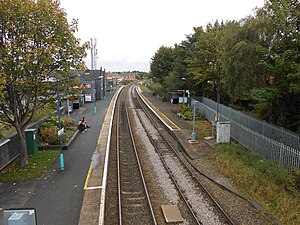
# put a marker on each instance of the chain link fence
(273, 142)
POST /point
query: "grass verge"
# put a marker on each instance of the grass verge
(267, 183)
(38, 164)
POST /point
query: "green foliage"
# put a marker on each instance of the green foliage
(186, 112)
(36, 44)
(125, 82)
(262, 110)
(48, 130)
(52, 122)
(256, 59)
(38, 164)
(47, 110)
(262, 180)
(162, 63)
(204, 63)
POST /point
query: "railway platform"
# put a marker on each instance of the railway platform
(92, 211)
(57, 194)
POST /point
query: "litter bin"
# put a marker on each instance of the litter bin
(31, 141)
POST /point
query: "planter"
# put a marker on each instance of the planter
(64, 146)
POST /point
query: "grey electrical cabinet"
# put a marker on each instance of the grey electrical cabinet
(223, 132)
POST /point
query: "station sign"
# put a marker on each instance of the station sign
(60, 132)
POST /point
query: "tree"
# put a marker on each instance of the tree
(283, 62)
(37, 50)
(162, 63)
(204, 56)
(243, 52)
(205, 62)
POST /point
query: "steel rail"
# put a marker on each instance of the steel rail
(214, 201)
(138, 163)
(118, 163)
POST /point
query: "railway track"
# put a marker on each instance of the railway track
(198, 199)
(129, 201)
(172, 178)
(127, 198)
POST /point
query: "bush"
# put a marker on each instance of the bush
(52, 122)
(49, 135)
(68, 122)
(48, 130)
(186, 112)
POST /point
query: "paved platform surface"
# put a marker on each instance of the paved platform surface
(58, 195)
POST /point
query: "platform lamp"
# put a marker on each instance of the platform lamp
(216, 84)
(184, 79)
(95, 106)
(193, 136)
(60, 132)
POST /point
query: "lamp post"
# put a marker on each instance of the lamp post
(183, 78)
(217, 85)
(95, 107)
(60, 132)
(193, 136)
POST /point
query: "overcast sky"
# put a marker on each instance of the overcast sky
(129, 32)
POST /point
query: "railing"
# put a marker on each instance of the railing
(264, 128)
(273, 142)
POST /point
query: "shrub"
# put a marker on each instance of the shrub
(52, 122)
(186, 112)
(68, 122)
(48, 130)
(49, 135)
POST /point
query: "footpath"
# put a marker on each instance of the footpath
(58, 195)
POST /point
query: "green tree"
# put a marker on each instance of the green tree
(283, 62)
(205, 62)
(162, 63)
(243, 52)
(174, 80)
(36, 44)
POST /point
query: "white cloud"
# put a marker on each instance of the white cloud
(129, 32)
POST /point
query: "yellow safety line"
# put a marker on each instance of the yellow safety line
(98, 142)
(87, 177)
(90, 169)
(157, 110)
(170, 121)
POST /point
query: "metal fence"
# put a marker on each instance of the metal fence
(273, 142)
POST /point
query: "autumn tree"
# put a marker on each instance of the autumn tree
(37, 50)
